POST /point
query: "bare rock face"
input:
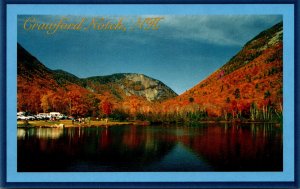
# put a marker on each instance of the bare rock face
(147, 87)
(132, 84)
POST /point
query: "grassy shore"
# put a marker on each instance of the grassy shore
(68, 123)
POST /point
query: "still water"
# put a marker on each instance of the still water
(205, 147)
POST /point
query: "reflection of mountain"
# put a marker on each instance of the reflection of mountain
(180, 158)
(208, 147)
(239, 148)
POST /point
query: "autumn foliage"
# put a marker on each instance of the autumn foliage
(249, 86)
(253, 77)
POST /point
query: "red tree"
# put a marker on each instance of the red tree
(106, 108)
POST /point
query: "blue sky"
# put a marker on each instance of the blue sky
(182, 52)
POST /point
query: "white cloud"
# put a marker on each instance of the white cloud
(220, 29)
(227, 30)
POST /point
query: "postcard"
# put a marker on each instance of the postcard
(150, 93)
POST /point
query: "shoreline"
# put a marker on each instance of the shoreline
(69, 124)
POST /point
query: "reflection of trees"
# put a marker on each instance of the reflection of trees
(102, 149)
(238, 148)
(225, 147)
(47, 133)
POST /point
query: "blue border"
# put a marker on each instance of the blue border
(297, 86)
(2, 94)
(151, 1)
(288, 15)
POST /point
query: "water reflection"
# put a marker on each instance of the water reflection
(180, 158)
(47, 133)
(206, 147)
(239, 147)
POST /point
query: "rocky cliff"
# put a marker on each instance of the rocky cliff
(128, 84)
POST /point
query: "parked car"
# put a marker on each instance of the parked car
(30, 117)
(55, 114)
(43, 116)
(22, 117)
(39, 117)
(62, 116)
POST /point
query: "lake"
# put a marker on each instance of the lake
(203, 147)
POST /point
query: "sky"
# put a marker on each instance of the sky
(179, 50)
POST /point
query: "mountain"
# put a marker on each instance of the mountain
(32, 73)
(251, 78)
(249, 85)
(127, 84)
(39, 86)
(62, 78)
(120, 85)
